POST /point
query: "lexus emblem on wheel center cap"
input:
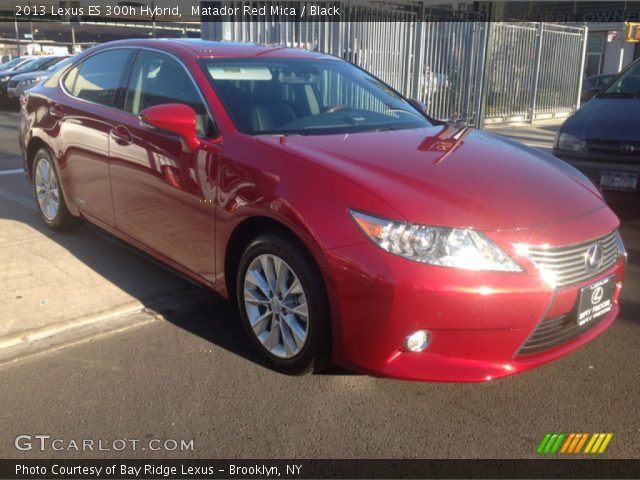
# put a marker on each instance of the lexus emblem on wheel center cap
(594, 257)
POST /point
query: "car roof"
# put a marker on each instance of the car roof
(197, 48)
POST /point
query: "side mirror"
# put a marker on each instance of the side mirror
(176, 118)
(418, 105)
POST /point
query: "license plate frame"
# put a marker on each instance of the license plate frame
(622, 181)
(595, 300)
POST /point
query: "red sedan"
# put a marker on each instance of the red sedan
(348, 226)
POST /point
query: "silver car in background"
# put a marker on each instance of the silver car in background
(11, 65)
(23, 82)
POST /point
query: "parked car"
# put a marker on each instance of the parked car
(34, 65)
(20, 83)
(14, 63)
(348, 226)
(602, 138)
(593, 84)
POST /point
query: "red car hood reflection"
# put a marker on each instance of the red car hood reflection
(461, 178)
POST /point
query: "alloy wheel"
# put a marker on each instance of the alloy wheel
(47, 189)
(276, 306)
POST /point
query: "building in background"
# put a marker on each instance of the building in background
(46, 34)
(608, 51)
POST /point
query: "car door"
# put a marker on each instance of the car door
(164, 195)
(84, 119)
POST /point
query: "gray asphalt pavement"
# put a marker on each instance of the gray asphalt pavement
(9, 150)
(186, 374)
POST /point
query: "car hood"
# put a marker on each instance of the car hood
(10, 75)
(30, 75)
(452, 176)
(606, 119)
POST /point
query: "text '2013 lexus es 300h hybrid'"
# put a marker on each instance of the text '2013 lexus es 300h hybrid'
(348, 226)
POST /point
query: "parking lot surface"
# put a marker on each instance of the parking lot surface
(182, 369)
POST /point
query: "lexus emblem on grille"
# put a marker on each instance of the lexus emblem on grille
(594, 257)
(627, 149)
(596, 296)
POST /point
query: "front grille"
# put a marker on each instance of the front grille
(630, 149)
(553, 332)
(13, 83)
(567, 264)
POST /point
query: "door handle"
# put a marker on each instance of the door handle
(121, 135)
(56, 111)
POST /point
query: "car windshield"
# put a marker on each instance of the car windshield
(626, 85)
(60, 64)
(11, 63)
(307, 97)
(35, 64)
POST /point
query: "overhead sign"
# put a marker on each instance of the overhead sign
(632, 32)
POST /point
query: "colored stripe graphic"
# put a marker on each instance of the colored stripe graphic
(551, 442)
(556, 446)
(598, 442)
(543, 443)
(572, 443)
(567, 442)
(581, 442)
(605, 442)
(578, 437)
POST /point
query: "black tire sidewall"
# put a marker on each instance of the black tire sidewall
(304, 267)
(63, 217)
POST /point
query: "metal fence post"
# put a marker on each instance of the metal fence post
(483, 74)
(536, 72)
(582, 62)
(418, 60)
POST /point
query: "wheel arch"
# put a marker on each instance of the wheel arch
(35, 144)
(251, 228)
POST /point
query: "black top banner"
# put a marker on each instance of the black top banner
(304, 469)
(79, 11)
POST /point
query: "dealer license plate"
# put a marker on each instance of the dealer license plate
(625, 181)
(596, 300)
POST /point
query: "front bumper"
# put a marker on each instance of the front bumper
(593, 164)
(478, 320)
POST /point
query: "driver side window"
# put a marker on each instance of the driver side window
(158, 79)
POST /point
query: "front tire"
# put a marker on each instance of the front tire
(282, 302)
(48, 192)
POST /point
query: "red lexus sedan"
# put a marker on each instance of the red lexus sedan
(348, 226)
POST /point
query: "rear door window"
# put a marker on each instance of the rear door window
(100, 78)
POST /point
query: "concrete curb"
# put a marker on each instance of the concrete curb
(50, 330)
(33, 342)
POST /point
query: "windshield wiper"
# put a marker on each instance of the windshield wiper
(385, 129)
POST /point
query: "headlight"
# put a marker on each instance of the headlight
(30, 81)
(566, 141)
(5, 78)
(442, 246)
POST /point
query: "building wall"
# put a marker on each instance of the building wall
(617, 53)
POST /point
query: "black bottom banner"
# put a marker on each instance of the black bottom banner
(266, 469)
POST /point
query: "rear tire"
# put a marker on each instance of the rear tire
(48, 193)
(283, 304)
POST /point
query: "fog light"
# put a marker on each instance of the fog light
(418, 341)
